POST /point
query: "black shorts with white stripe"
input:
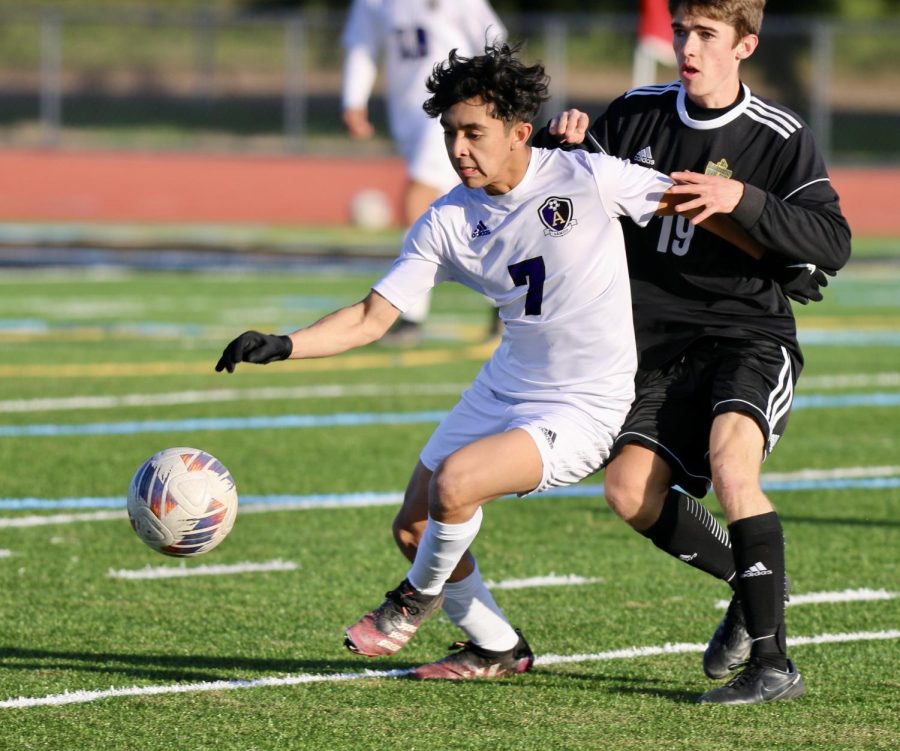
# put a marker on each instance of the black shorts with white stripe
(674, 405)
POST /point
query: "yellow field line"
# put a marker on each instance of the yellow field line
(405, 359)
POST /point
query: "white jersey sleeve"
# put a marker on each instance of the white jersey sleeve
(362, 40)
(417, 269)
(627, 189)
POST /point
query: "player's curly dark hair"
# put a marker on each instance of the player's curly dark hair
(514, 90)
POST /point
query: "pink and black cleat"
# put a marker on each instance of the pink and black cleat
(386, 629)
(472, 662)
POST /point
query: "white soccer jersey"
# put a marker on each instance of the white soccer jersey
(550, 255)
(413, 35)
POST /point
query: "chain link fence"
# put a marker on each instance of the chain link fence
(271, 83)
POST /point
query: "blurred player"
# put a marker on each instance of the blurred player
(716, 335)
(412, 35)
(536, 232)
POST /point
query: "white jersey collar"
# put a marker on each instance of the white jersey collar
(519, 188)
(717, 122)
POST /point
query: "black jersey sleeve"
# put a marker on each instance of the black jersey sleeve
(798, 217)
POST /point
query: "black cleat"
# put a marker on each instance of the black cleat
(757, 684)
(471, 662)
(730, 644)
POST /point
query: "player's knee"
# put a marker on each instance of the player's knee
(629, 499)
(450, 495)
(407, 533)
(622, 497)
(731, 483)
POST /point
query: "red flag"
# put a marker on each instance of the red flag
(655, 29)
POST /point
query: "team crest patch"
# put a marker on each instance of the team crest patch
(557, 216)
(719, 168)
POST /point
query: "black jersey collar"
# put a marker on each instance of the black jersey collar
(717, 122)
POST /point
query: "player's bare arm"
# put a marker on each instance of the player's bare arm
(342, 330)
(345, 329)
(710, 194)
(358, 125)
(678, 200)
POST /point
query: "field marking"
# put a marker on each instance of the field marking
(87, 402)
(552, 580)
(221, 569)
(849, 380)
(85, 696)
(807, 479)
(376, 360)
(5, 553)
(347, 419)
(324, 391)
(337, 391)
(818, 598)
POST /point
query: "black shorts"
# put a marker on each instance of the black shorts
(674, 406)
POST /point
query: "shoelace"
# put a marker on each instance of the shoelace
(404, 601)
(748, 674)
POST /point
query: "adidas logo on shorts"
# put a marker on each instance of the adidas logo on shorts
(550, 436)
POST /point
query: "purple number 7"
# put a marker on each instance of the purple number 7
(531, 272)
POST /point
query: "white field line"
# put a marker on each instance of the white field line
(825, 382)
(363, 500)
(83, 697)
(848, 380)
(229, 395)
(839, 473)
(552, 580)
(40, 521)
(5, 553)
(173, 572)
(847, 595)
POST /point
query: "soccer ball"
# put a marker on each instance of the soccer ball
(371, 210)
(182, 502)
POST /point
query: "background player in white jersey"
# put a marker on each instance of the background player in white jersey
(716, 336)
(411, 36)
(536, 232)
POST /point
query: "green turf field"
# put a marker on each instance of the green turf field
(92, 361)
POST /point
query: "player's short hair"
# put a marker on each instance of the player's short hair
(514, 91)
(744, 16)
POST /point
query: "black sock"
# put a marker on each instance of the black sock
(688, 531)
(758, 543)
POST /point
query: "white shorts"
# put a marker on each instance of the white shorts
(572, 445)
(421, 144)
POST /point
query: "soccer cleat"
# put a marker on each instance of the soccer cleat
(386, 629)
(757, 684)
(471, 662)
(730, 644)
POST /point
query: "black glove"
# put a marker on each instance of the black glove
(251, 346)
(801, 281)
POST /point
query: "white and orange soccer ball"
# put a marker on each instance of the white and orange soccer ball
(182, 502)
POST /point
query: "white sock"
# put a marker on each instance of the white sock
(470, 606)
(440, 549)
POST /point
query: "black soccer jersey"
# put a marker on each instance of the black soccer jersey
(688, 283)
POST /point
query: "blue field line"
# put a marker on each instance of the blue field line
(347, 419)
(358, 500)
(352, 419)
